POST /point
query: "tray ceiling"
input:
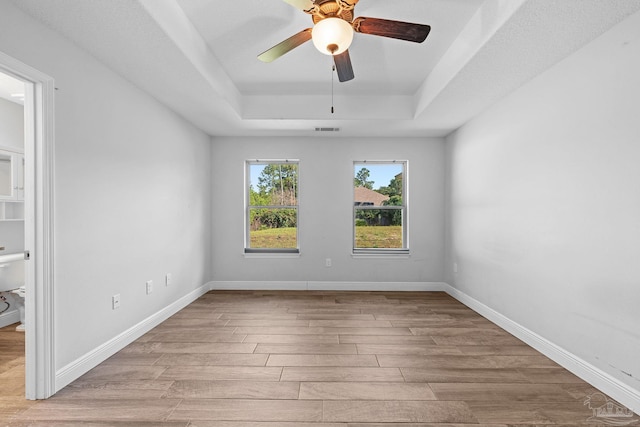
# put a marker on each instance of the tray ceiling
(199, 58)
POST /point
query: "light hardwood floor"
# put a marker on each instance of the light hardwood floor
(321, 359)
(12, 399)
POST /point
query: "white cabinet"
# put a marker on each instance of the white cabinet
(11, 210)
(11, 175)
(19, 176)
(11, 185)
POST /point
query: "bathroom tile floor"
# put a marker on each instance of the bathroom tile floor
(321, 359)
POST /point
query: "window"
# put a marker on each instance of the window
(272, 206)
(380, 207)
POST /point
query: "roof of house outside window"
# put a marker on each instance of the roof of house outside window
(365, 197)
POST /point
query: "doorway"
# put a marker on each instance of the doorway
(12, 238)
(37, 216)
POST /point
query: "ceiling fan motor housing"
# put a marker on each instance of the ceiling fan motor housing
(331, 8)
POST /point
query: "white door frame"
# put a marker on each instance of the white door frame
(39, 163)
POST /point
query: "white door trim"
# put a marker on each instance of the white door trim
(39, 202)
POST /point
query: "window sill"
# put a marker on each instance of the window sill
(405, 254)
(272, 254)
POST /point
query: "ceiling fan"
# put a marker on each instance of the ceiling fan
(333, 30)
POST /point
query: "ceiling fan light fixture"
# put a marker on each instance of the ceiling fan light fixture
(332, 36)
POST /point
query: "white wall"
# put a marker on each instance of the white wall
(12, 236)
(11, 125)
(544, 205)
(326, 201)
(132, 199)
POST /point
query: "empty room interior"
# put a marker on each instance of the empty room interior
(319, 213)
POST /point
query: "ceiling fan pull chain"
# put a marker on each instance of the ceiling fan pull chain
(333, 69)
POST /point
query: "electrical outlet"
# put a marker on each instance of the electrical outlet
(167, 279)
(455, 267)
(149, 286)
(327, 262)
(115, 301)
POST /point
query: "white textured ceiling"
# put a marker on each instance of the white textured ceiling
(199, 58)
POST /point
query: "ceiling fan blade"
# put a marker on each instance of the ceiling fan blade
(343, 66)
(289, 44)
(307, 6)
(394, 29)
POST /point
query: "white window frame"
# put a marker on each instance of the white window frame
(394, 252)
(248, 250)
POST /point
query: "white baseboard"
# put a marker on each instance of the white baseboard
(9, 318)
(331, 286)
(581, 368)
(258, 286)
(83, 364)
(378, 286)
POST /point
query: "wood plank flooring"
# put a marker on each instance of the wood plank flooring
(311, 359)
(12, 358)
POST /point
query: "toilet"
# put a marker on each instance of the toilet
(20, 292)
(12, 284)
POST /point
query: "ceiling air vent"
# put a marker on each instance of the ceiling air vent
(327, 129)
